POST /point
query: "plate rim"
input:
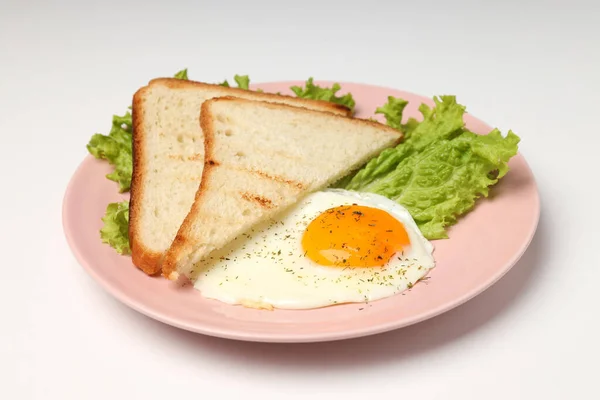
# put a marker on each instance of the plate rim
(300, 338)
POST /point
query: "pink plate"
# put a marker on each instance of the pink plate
(482, 247)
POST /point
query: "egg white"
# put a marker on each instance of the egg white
(267, 266)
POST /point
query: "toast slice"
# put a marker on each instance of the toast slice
(168, 158)
(260, 159)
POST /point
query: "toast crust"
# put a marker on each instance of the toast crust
(180, 244)
(174, 83)
(142, 257)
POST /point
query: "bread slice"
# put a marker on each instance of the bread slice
(168, 158)
(260, 159)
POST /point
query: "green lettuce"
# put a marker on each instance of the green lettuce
(181, 75)
(242, 81)
(440, 169)
(116, 226)
(315, 92)
(392, 111)
(116, 149)
(445, 120)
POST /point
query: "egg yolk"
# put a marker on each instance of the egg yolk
(354, 236)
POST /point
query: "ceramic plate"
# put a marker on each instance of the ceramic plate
(482, 247)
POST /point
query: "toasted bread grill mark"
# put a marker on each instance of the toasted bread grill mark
(261, 200)
(277, 178)
(192, 178)
(193, 157)
(212, 162)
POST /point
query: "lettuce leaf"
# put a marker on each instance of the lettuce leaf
(392, 111)
(181, 75)
(116, 227)
(242, 81)
(443, 121)
(440, 170)
(116, 149)
(315, 92)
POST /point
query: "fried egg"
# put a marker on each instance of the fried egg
(333, 247)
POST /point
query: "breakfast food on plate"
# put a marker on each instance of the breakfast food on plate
(273, 201)
(332, 247)
(260, 159)
(168, 158)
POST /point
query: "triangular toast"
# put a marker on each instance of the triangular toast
(168, 158)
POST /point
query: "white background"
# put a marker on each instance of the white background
(66, 67)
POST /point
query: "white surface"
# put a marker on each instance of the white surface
(66, 68)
